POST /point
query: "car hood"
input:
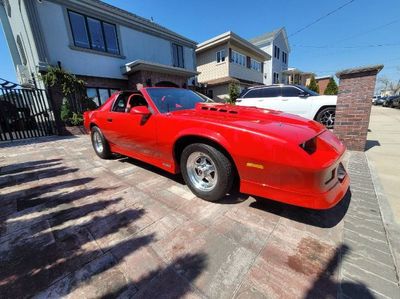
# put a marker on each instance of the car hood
(271, 123)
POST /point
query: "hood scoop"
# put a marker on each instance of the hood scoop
(217, 107)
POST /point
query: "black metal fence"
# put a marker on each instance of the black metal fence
(25, 113)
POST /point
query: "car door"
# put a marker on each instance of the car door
(132, 132)
(293, 101)
(269, 98)
(264, 97)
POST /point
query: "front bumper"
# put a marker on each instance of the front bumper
(315, 200)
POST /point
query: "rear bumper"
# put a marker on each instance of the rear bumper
(315, 200)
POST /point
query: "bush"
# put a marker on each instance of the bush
(234, 92)
(65, 113)
(313, 84)
(331, 88)
(76, 119)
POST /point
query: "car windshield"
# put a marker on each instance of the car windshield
(309, 91)
(173, 99)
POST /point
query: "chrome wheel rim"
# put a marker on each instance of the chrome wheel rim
(328, 118)
(202, 171)
(98, 142)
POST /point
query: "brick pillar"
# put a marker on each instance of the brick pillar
(356, 89)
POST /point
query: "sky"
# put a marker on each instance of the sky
(362, 32)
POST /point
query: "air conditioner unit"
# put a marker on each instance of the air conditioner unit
(24, 76)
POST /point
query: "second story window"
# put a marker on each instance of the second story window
(256, 65)
(276, 52)
(221, 56)
(238, 58)
(177, 56)
(93, 34)
(284, 57)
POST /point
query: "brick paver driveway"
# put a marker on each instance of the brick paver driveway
(74, 225)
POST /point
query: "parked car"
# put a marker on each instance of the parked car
(295, 99)
(396, 102)
(389, 101)
(379, 101)
(374, 99)
(269, 153)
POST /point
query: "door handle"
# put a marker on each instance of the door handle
(109, 120)
(285, 99)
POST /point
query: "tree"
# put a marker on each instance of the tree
(331, 88)
(234, 92)
(313, 84)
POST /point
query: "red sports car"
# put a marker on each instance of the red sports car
(274, 155)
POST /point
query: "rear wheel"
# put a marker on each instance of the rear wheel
(326, 117)
(100, 144)
(206, 171)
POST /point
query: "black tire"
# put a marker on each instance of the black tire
(321, 117)
(223, 166)
(103, 151)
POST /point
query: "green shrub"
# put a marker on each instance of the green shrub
(234, 92)
(331, 88)
(313, 84)
(76, 119)
(65, 112)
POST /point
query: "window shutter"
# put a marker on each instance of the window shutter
(248, 62)
(230, 55)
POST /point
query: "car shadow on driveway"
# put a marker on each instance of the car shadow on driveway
(319, 218)
(64, 236)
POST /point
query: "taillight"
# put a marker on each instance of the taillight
(310, 146)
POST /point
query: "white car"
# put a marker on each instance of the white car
(295, 99)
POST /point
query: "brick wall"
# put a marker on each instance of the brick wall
(322, 84)
(104, 82)
(356, 89)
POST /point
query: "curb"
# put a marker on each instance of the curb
(389, 223)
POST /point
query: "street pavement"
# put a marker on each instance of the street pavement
(73, 225)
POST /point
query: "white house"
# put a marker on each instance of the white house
(106, 46)
(276, 44)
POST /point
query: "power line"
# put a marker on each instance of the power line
(351, 36)
(321, 18)
(348, 47)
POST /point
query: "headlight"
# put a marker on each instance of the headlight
(310, 146)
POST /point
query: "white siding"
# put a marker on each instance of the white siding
(134, 45)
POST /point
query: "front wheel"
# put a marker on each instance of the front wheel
(100, 144)
(326, 117)
(207, 171)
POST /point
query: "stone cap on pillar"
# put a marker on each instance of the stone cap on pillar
(360, 71)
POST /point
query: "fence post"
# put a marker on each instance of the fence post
(353, 108)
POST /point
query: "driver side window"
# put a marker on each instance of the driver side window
(120, 104)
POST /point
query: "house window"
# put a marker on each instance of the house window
(221, 56)
(238, 58)
(21, 50)
(284, 57)
(177, 55)
(276, 52)
(276, 78)
(255, 65)
(93, 34)
(99, 95)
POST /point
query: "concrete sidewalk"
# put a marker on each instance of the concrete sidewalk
(383, 151)
(73, 225)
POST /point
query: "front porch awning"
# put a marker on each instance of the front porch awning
(141, 65)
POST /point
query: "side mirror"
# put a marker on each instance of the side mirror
(303, 94)
(141, 110)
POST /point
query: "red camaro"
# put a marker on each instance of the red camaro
(274, 155)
